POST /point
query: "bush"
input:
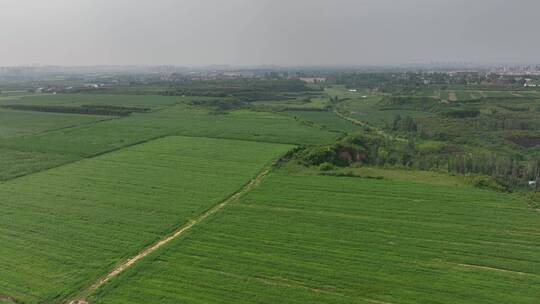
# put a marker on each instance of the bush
(326, 166)
(485, 182)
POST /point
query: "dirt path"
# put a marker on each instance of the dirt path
(493, 269)
(364, 124)
(81, 297)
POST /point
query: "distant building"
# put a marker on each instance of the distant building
(529, 83)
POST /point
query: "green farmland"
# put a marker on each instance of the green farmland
(34, 141)
(326, 120)
(23, 123)
(65, 227)
(312, 239)
(376, 188)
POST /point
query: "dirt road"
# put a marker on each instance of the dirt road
(81, 297)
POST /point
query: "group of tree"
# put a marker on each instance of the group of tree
(246, 89)
(106, 110)
(404, 124)
(377, 150)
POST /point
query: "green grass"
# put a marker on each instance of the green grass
(499, 94)
(44, 140)
(341, 92)
(314, 239)
(63, 228)
(96, 99)
(15, 163)
(326, 119)
(367, 110)
(364, 106)
(22, 123)
(315, 103)
(109, 135)
(368, 172)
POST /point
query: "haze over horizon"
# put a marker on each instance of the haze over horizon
(258, 32)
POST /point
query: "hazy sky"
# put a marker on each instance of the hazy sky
(248, 32)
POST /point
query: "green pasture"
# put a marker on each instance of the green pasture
(325, 119)
(315, 239)
(63, 228)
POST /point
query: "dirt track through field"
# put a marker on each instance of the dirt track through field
(493, 269)
(364, 124)
(81, 297)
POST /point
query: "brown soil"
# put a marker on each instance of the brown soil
(452, 96)
(5, 298)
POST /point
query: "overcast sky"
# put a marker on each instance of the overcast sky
(252, 32)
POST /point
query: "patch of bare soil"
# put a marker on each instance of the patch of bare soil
(452, 96)
(5, 298)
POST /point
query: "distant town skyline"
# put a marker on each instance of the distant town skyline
(259, 32)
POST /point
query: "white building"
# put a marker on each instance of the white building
(529, 83)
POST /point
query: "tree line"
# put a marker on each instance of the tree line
(374, 149)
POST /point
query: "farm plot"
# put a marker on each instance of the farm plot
(23, 123)
(315, 239)
(109, 135)
(63, 228)
(309, 104)
(15, 163)
(368, 111)
(498, 94)
(326, 120)
(95, 99)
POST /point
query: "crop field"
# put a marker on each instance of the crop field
(34, 141)
(21, 123)
(96, 99)
(14, 163)
(367, 111)
(314, 239)
(63, 228)
(376, 188)
(326, 120)
(313, 104)
(179, 120)
(363, 106)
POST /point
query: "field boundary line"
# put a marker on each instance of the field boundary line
(81, 297)
(140, 142)
(82, 158)
(494, 269)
